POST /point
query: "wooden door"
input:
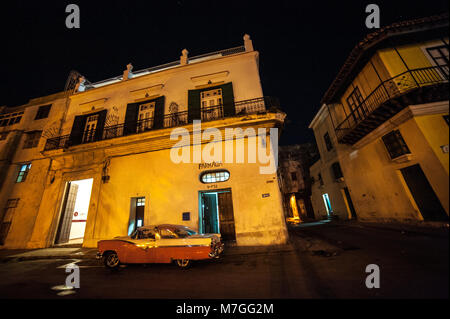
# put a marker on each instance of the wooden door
(226, 216)
(429, 205)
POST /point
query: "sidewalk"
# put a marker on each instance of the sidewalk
(90, 253)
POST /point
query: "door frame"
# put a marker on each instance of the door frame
(200, 210)
(59, 207)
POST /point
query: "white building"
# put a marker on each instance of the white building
(115, 137)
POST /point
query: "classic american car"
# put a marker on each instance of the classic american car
(160, 244)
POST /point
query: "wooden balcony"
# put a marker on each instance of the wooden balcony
(417, 86)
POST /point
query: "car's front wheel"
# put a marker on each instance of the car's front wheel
(183, 263)
(111, 260)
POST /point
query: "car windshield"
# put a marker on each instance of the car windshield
(143, 233)
(183, 232)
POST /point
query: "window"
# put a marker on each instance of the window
(23, 172)
(11, 204)
(395, 144)
(145, 116)
(215, 176)
(32, 139)
(144, 233)
(42, 112)
(439, 55)
(166, 234)
(140, 201)
(10, 118)
(294, 176)
(90, 128)
(354, 102)
(319, 177)
(328, 143)
(210, 104)
(3, 135)
(336, 167)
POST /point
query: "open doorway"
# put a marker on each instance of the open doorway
(216, 213)
(326, 200)
(74, 212)
(137, 211)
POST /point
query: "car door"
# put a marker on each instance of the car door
(142, 248)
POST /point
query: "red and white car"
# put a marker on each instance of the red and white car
(160, 244)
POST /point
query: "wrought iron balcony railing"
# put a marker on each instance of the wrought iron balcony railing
(252, 106)
(390, 89)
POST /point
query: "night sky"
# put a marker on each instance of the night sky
(302, 44)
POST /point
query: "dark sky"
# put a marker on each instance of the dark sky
(302, 44)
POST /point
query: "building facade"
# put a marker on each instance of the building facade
(382, 129)
(295, 181)
(192, 142)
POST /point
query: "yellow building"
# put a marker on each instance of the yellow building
(382, 130)
(130, 151)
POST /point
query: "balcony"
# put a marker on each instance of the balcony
(252, 106)
(417, 86)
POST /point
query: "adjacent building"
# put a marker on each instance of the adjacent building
(383, 128)
(191, 142)
(295, 182)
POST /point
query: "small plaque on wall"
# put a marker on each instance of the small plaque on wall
(265, 195)
(186, 216)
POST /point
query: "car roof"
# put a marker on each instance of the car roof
(162, 226)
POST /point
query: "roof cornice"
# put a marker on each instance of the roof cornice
(375, 40)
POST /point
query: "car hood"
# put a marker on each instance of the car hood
(122, 237)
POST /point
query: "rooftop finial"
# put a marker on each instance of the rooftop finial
(248, 44)
(127, 74)
(184, 57)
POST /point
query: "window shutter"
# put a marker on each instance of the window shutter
(159, 113)
(228, 99)
(194, 112)
(100, 125)
(131, 119)
(76, 134)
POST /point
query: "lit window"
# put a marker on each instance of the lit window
(214, 176)
(140, 201)
(23, 172)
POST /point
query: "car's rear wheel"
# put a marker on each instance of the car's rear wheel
(111, 260)
(183, 263)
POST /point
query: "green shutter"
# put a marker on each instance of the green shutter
(131, 117)
(76, 134)
(159, 113)
(228, 99)
(194, 112)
